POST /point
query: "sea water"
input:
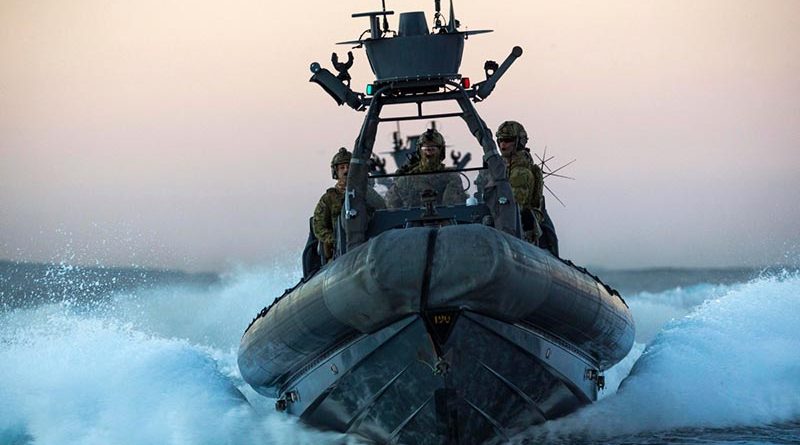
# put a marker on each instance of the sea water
(156, 364)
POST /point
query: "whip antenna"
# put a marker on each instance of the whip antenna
(547, 171)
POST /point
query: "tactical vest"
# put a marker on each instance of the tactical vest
(523, 159)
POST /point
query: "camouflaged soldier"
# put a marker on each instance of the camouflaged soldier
(448, 187)
(330, 204)
(525, 177)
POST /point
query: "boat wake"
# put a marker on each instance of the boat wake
(732, 362)
(159, 366)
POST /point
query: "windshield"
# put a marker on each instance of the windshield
(443, 187)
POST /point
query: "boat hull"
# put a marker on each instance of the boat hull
(462, 336)
(499, 378)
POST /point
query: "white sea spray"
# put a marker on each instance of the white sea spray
(157, 366)
(732, 361)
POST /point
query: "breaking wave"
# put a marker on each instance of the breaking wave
(732, 361)
(152, 367)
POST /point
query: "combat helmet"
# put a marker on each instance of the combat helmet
(431, 137)
(513, 129)
(341, 157)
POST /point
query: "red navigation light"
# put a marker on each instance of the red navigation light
(465, 82)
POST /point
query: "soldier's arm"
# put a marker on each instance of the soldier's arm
(321, 222)
(538, 187)
(522, 183)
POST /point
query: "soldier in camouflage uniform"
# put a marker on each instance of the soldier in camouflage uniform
(330, 204)
(525, 177)
(448, 187)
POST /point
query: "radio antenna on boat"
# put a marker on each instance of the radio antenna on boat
(547, 171)
(453, 24)
(385, 20)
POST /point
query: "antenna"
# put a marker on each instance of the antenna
(547, 172)
(453, 25)
(385, 20)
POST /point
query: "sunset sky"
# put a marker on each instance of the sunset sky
(185, 134)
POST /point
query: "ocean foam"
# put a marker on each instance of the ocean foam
(732, 361)
(157, 367)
